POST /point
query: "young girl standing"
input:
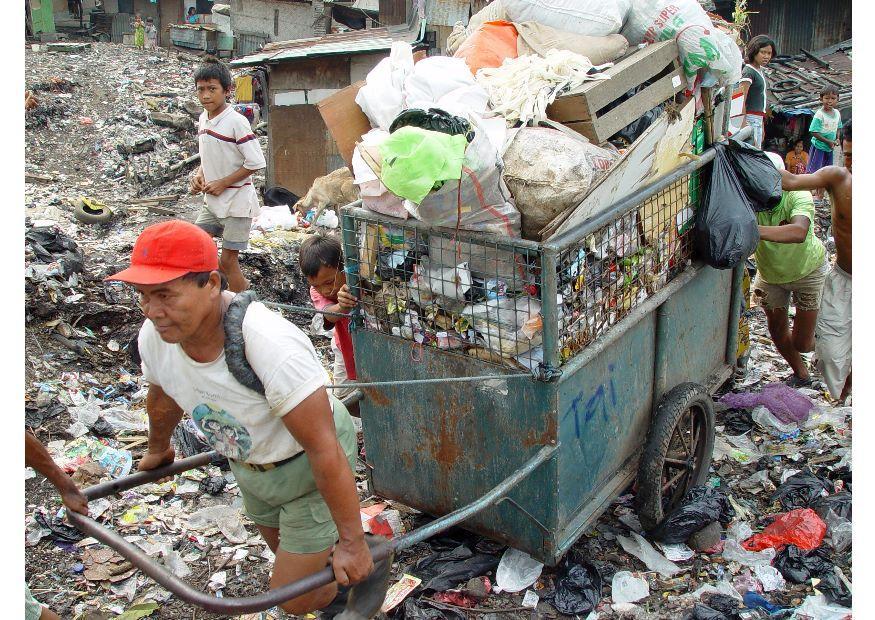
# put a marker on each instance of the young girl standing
(760, 50)
(139, 33)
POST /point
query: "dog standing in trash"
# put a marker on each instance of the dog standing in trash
(832, 336)
(335, 189)
(290, 446)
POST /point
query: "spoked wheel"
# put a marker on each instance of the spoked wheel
(677, 455)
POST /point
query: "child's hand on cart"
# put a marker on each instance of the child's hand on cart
(345, 299)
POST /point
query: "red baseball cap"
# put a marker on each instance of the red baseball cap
(169, 250)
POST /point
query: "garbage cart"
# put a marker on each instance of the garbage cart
(603, 343)
(516, 388)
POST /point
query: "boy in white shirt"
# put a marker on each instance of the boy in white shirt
(230, 153)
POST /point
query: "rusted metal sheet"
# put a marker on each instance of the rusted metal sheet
(796, 24)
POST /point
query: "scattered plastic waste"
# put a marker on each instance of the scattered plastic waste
(737, 421)
(627, 588)
(752, 600)
(645, 552)
(801, 527)
(785, 403)
(443, 571)
(734, 552)
(517, 571)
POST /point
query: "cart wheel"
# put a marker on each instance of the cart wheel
(91, 212)
(677, 454)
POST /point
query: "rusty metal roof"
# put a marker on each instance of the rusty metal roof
(341, 43)
(795, 82)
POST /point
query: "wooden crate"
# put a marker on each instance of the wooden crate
(585, 110)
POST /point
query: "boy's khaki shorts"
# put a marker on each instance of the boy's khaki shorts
(806, 291)
(234, 231)
(286, 498)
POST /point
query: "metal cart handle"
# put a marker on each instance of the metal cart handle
(271, 598)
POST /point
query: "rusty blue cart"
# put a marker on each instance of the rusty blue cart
(523, 435)
(618, 387)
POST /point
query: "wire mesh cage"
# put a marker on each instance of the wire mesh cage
(489, 297)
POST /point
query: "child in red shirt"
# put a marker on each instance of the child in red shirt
(321, 260)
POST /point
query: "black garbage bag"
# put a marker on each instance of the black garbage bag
(798, 566)
(737, 421)
(703, 612)
(434, 119)
(102, 428)
(49, 244)
(275, 196)
(839, 503)
(633, 130)
(578, 588)
(700, 507)
(800, 490)
(723, 603)
(446, 570)
(759, 178)
(726, 229)
(414, 609)
(60, 530)
(834, 589)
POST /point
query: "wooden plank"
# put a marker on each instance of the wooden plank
(328, 72)
(652, 156)
(604, 127)
(633, 70)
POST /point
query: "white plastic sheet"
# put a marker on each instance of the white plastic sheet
(590, 17)
(382, 97)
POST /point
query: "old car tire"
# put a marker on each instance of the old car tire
(87, 215)
(679, 448)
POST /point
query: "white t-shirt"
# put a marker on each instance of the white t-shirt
(236, 421)
(226, 143)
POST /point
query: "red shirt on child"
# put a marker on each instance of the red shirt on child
(342, 337)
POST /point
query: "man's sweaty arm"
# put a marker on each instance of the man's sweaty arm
(794, 232)
(827, 178)
(164, 415)
(36, 456)
(311, 423)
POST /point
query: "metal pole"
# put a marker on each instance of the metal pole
(271, 598)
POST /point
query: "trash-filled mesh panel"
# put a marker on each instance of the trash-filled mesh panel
(458, 293)
(621, 264)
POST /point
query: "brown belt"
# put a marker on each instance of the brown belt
(267, 466)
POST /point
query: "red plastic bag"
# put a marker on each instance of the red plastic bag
(490, 44)
(801, 527)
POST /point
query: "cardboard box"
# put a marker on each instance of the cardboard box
(344, 119)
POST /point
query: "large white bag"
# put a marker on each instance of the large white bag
(549, 172)
(592, 17)
(701, 45)
(382, 97)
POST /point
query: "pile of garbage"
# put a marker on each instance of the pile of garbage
(110, 123)
(466, 143)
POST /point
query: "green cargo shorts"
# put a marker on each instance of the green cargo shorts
(286, 497)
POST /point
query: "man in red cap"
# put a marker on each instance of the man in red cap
(290, 449)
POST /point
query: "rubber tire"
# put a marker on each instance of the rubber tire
(648, 499)
(90, 217)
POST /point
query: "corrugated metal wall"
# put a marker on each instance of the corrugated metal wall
(794, 24)
(249, 43)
